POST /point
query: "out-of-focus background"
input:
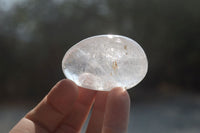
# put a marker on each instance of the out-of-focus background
(35, 34)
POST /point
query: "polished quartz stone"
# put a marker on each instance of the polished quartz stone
(105, 61)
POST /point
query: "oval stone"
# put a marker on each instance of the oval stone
(105, 61)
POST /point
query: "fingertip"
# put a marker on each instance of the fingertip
(120, 93)
(65, 92)
(118, 89)
(66, 83)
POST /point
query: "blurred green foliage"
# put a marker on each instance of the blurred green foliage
(35, 34)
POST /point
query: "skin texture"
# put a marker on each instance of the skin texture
(65, 108)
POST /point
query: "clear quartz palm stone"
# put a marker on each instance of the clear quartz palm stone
(105, 61)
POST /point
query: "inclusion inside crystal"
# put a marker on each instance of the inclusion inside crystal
(105, 61)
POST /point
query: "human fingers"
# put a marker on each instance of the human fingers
(53, 108)
(117, 111)
(73, 122)
(97, 116)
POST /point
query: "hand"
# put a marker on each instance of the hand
(65, 108)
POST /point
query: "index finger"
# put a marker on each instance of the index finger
(55, 106)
